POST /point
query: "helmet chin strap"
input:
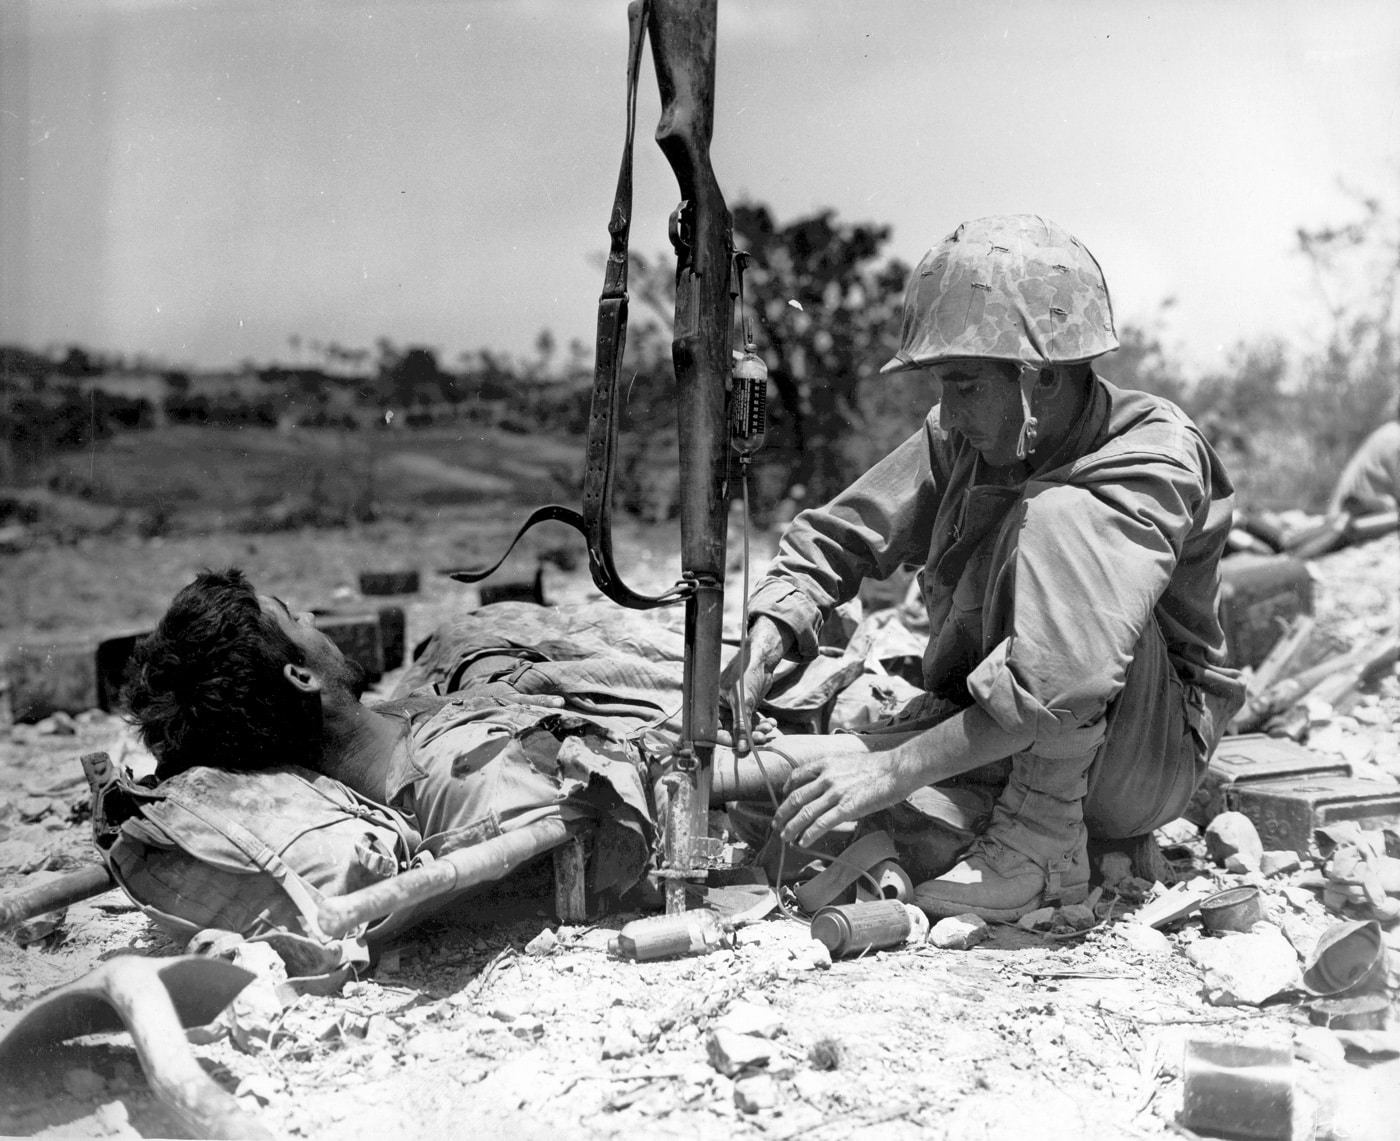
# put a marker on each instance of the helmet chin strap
(1030, 426)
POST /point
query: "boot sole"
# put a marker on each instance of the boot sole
(941, 909)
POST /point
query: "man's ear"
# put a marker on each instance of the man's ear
(302, 678)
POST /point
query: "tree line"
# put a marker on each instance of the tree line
(821, 301)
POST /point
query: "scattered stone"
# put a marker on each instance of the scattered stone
(432, 1044)
(1114, 868)
(1144, 939)
(1234, 834)
(1246, 969)
(380, 1065)
(1076, 916)
(83, 1083)
(253, 1015)
(113, 1118)
(545, 943)
(1178, 831)
(811, 956)
(263, 1087)
(732, 1053)
(959, 932)
(1041, 917)
(1279, 863)
(382, 1028)
(812, 1085)
(755, 1092)
(746, 1017)
(528, 1027)
(59, 724)
(619, 1042)
(1319, 1046)
(505, 1011)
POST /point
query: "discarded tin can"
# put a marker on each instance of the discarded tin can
(1349, 957)
(665, 936)
(850, 928)
(1360, 1012)
(1238, 1090)
(1237, 909)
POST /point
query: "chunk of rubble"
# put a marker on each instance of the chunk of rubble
(542, 944)
(746, 1017)
(732, 1053)
(1076, 916)
(1145, 940)
(1279, 863)
(755, 1092)
(1040, 919)
(1247, 969)
(812, 955)
(1232, 835)
(959, 932)
(1114, 868)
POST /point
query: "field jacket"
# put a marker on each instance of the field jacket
(1038, 580)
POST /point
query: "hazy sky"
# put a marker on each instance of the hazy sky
(203, 181)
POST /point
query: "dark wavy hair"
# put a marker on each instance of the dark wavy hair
(206, 686)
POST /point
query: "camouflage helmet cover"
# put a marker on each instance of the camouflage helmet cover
(1012, 287)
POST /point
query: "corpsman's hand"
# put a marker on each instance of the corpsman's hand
(767, 644)
(836, 789)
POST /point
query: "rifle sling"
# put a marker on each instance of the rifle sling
(595, 522)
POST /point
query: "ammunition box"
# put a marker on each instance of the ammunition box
(358, 638)
(113, 656)
(389, 582)
(1259, 596)
(52, 676)
(1252, 757)
(1288, 812)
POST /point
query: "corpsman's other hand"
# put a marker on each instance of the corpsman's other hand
(836, 789)
(767, 644)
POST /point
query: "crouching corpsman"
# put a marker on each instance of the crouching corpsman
(1069, 536)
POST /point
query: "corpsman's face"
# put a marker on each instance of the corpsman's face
(322, 655)
(981, 401)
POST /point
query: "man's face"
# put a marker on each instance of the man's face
(322, 655)
(984, 404)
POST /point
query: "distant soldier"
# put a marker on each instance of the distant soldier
(1069, 535)
(1370, 482)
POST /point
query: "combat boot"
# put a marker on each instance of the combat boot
(1031, 855)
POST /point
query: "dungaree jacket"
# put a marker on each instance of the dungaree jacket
(1039, 582)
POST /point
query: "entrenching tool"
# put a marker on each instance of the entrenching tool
(154, 1000)
(682, 34)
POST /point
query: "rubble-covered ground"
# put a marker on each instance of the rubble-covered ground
(478, 1023)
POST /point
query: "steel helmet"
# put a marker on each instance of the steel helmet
(1013, 287)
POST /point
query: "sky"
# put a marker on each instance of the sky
(234, 180)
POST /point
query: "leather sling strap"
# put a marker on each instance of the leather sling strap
(595, 522)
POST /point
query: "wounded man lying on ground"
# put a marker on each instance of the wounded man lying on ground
(231, 681)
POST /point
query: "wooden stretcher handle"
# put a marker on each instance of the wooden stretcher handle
(74, 887)
(456, 871)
